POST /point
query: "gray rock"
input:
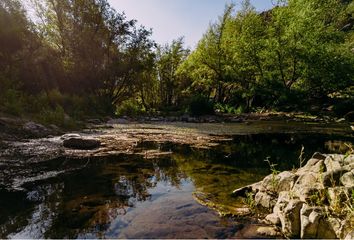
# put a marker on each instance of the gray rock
(81, 143)
(325, 230)
(333, 164)
(347, 179)
(290, 219)
(350, 236)
(268, 231)
(331, 179)
(70, 135)
(336, 225)
(273, 218)
(35, 128)
(313, 165)
(310, 219)
(306, 185)
(118, 121)
(265, 200)
(286, 181)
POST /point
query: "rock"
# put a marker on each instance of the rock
(310, 218)
(336, 225)
(290, 219)
(273, 218)
(349, 236)
(330, 179)
(325, 231)
(286, 181)
(81, 143)
(118, 121)
(319, 156)
(313, 165)
(349, 116)
(241, 192)
(306, 185)
(337, 196)
(36, 129)
(347, 179)
(282, 202)
(265, 200)
(268, 231)
(94, 121)
(332, 163)
(70, 135)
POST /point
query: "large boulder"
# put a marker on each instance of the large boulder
(290, 219)
(81, 143)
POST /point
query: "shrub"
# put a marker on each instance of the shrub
(12, 102)
(129, 108)
(200, 105)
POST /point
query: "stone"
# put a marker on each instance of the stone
(268, 231)
(337, 196)
(325, 231)
(118, 121)
(306, 184)
(336, 225)
(332, 164)
(241, 192)
(81, 143)
(286, 181)
(347, 179)
(310, 218)
(350, 236)
(70, 135)
(313, 165)
(290, 219)
(35, 128)
(273, 218)
(265, 200)
(330, 179)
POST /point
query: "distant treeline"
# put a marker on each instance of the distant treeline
(82, 58)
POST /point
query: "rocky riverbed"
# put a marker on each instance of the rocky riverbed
(314, 201)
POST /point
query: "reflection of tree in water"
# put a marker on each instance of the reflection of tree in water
(105, 189)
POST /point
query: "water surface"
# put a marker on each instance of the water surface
(135, 196)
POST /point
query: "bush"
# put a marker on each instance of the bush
(200, 105)
(226, 108)
(52, 116)
(129, 108)
(12, 102)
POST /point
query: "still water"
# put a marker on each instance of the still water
(132, 196)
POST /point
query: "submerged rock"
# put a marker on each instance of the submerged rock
(81, 143)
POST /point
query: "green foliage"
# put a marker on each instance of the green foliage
(129, 108)
(200, 105)
(12, 102)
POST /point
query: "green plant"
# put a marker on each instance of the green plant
(129, 108)
(249, 200)
(274, 172)
(200, 105)
(301, 156)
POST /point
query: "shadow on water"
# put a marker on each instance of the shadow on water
(130, 196)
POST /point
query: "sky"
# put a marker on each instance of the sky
(171, 19)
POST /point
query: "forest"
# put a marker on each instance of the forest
(77, 59)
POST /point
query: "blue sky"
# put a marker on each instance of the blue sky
(171, 19)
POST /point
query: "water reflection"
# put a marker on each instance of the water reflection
(132, 196)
